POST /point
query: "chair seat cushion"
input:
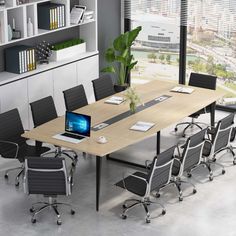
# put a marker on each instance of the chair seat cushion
(134, 185)
(206, 149)
(24, 151)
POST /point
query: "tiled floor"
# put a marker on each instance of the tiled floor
(209, 212)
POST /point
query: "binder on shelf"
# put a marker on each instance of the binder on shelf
(51, 16)
(20, 59)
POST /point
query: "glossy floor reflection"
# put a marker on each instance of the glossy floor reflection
(209, 212)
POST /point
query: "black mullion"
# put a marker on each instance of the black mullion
(183, 41)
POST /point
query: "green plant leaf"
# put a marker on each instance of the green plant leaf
(119, 43)
(132, 65)
(110, 55)
(133, 35)
(109, 69)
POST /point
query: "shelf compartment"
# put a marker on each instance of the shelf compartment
(31, 12)
(19, 14)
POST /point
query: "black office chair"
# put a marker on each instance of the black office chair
(43, 111)
(232, 137)
(142, 184)
(188, 160)
(12, 145)
(75, 98)
(219, 140)
(103, 87)
(202, 81)
(47, 176)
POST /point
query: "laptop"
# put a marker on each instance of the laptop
(77, 128)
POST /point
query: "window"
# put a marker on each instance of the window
(157, 46)
(211, 43)
(208, 26)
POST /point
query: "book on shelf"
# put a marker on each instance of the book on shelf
(179, 89)
(77, 14)
(20, 59)
(51, 16)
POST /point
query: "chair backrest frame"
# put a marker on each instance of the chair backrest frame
(62, 168)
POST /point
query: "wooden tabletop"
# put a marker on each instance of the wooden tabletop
(119, 134)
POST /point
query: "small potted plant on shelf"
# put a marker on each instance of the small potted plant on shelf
(67, 49)
(120, 59)
(133, 98)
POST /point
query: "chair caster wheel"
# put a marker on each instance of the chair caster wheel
(211, 178)
(176, 129)
(158, 195)
(180, 199)
(72, 212)
(124, 217)
(73, 164)
(223, 172)
(183, 135)
(33, 221)
(6, 176)
(189, 175)
(214, 160)
(163, 212)
(194, 191)
(17, 184)
(59, 222)
(234, 162)
(124, 206)
(32, 210)
(148, 221)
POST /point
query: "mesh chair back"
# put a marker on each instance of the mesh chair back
(222, 135)
(75, 98)
(203, 81)
(45, 176)
(103, 87)
(192, 152)
(160, 171)
(43, 110)
(11, 128)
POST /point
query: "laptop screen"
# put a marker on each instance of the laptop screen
(78, 123)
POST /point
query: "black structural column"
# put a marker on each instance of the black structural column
(183, 41)
(212, 109)
(158, 147)
(98, 180)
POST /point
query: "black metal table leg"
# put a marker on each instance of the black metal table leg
(98, 180)
(158, 140)
(212, 109)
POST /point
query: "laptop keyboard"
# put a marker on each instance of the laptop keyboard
(72, 136)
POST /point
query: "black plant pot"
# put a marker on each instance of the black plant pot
(119, 88)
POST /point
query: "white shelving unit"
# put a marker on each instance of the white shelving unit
(21, 13)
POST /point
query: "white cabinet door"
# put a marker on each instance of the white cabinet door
(64, 77)
(15, 95)
(39, 86)
(87, 70)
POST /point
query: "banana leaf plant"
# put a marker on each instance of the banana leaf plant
(119, 57)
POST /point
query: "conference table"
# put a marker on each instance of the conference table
(160, 106)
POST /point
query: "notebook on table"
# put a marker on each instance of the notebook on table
(142, 126)
(115, 100)
(77, 128)
(180, 89)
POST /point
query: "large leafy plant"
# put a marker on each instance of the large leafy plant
(119, 57)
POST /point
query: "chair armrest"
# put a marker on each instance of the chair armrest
(148, 163)
(13, 144)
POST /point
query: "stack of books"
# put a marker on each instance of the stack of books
(51, 16)
(20, 59)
